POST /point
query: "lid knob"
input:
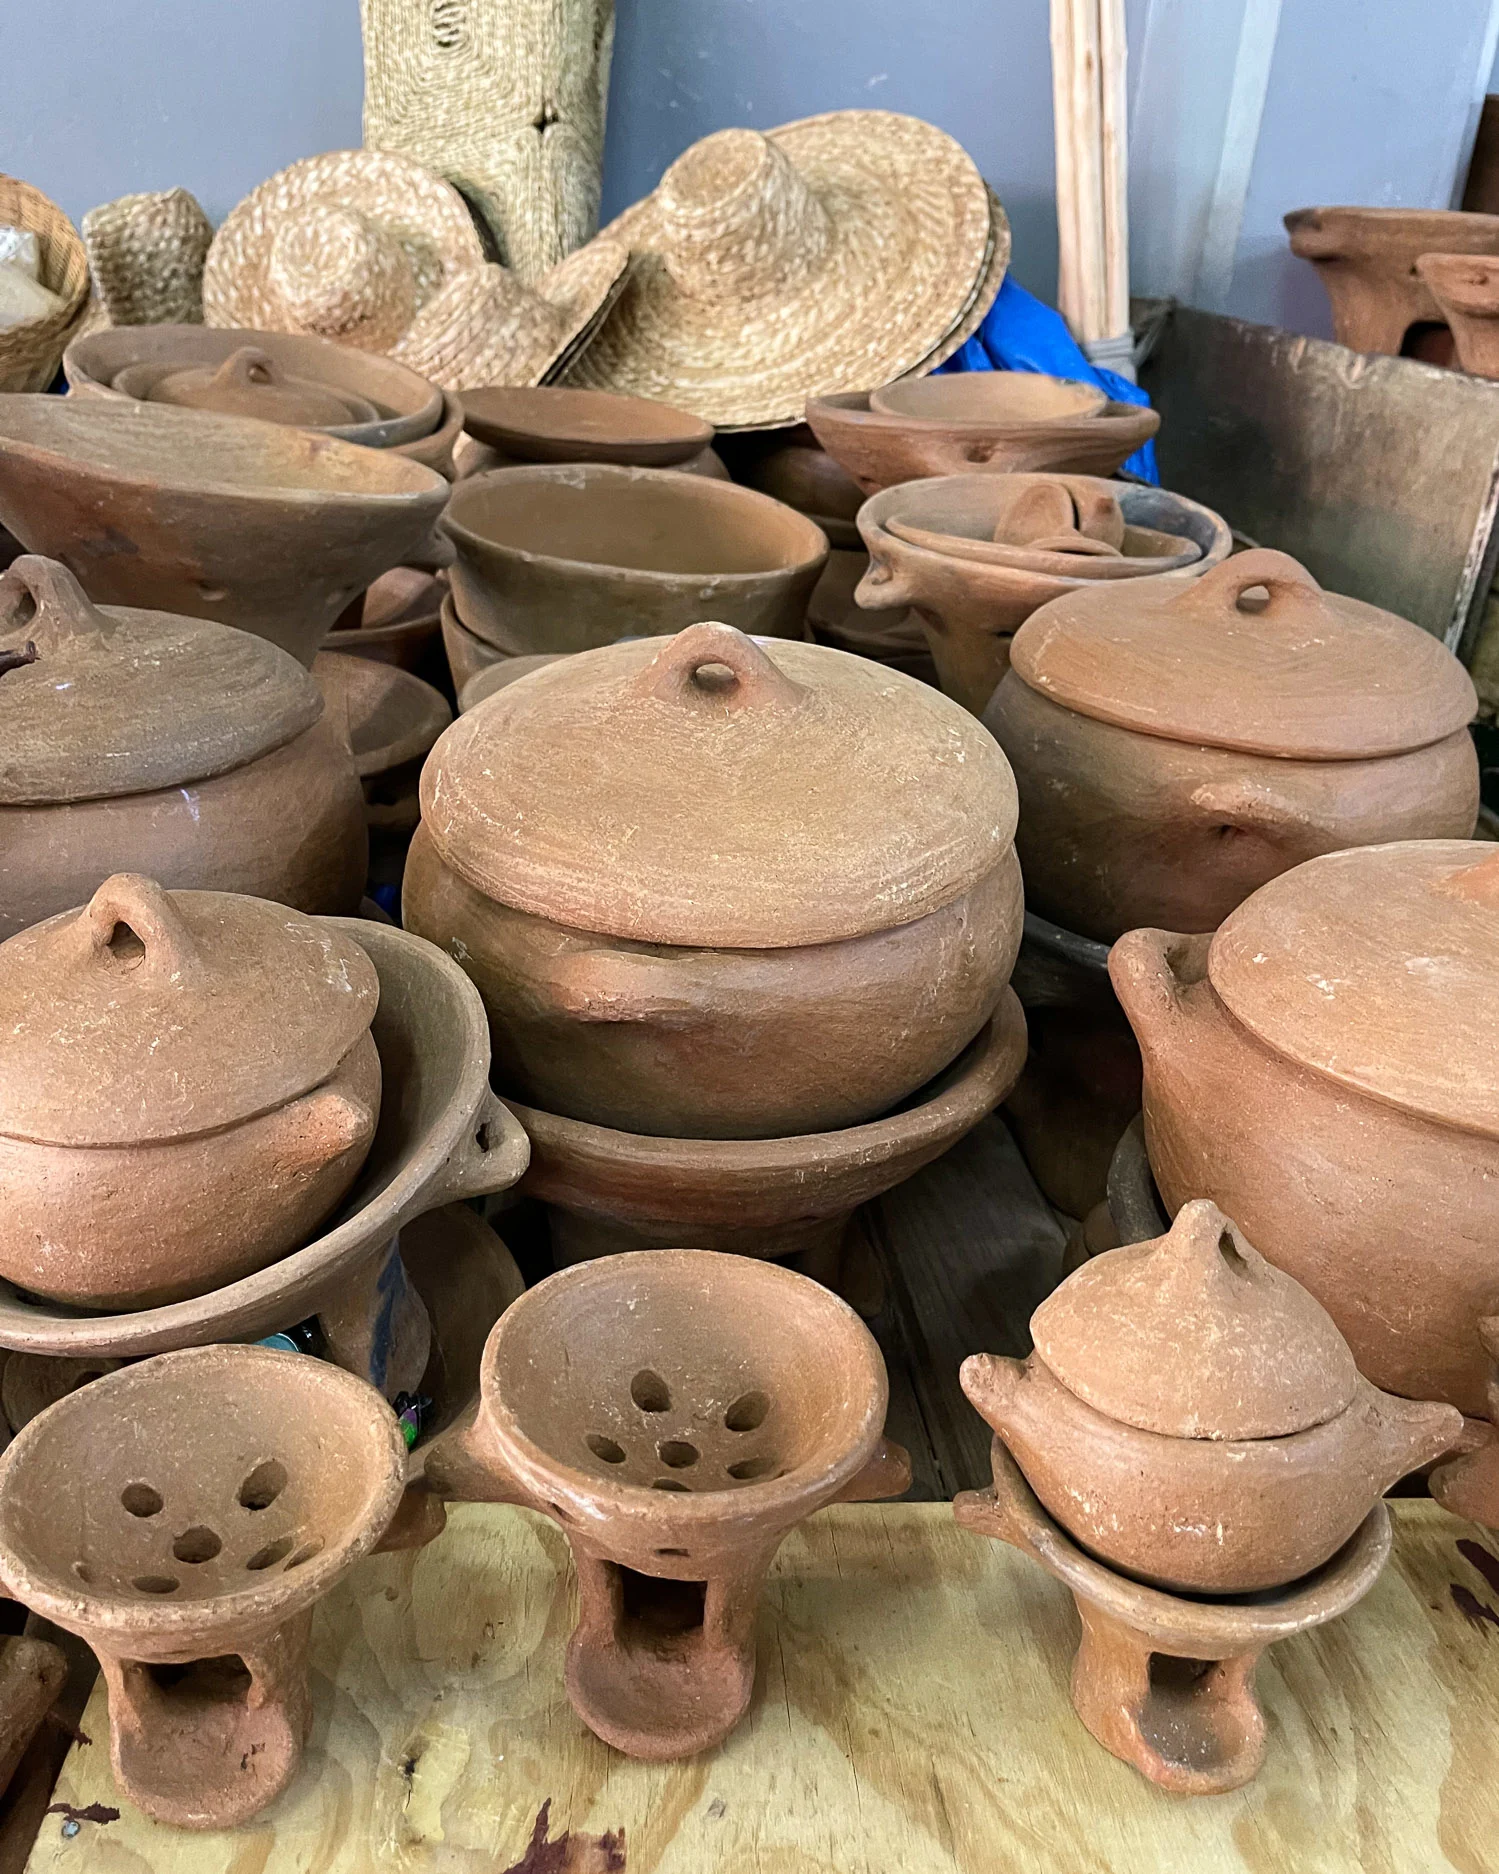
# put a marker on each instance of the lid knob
(1218, 594)
(249, 368)
(693, 666)
(131, 923)
(42, 606)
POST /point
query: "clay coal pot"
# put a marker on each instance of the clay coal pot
(178, 363)
(1343, 1015)
(766, 893)
(188, 1513)
(1165, 1682)
(251, 524)
(1465, 288)
(397, 621)
(1000, 397)
(499, 676)
(880, 451)
(390, 720)
(1175, 749)
(552, 423)
(171, 746)
(1366, 258)
(677, 1414)
(965, 553)
(608, 1191)
(143, 1096)
(565, 557)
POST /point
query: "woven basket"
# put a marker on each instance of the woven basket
(30, 353)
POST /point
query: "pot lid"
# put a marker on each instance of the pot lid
(1378, 967)
(715, 789)
(1195, 1335)
(154, 1015)
(100, 700)
(250, 382)
(1308, 676)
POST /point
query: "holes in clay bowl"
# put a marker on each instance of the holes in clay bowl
(272, 1553)
(676, 1554)
(748, 1469)
(141, 1500)
(650, 1392)
(605, 1449)
(156, 1584)
(676, 1454)
(668, 1483)
(197, 1544)
(263, 1485)
(314, 1546)
(748, 1412)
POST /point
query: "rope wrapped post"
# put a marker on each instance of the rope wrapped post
(1088, 56)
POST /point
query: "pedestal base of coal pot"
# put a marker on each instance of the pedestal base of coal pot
(32, 1674)
(1164, 1682)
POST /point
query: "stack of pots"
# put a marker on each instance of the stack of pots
(556, 423)
(743, 915)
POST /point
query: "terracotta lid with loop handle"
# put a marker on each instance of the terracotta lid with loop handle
(250, 382)
(718, 790)
(1306, 675)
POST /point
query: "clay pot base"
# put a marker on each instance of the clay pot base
(32, 1675)
(1164, 1682)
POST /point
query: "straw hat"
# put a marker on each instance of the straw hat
(145, 255)
(985, 292)
(830, 254)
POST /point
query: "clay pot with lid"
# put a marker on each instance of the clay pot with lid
(677, 1413)
(1366, 258)
(187, 1087)
(1342, 1015)
(566, 557)
(199, 755)
(769, 890)
(975, 555)
(1176, 747)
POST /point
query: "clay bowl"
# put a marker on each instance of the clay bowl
(406, 406)
(1465, 288)
(1366, 258)
(468, 654)
(251, 524)
(188, 1512)
(999, 397)
(568, 557)
(390, 720)
(442, 1136)
(435, 450)
(498, 676)
(879, 451)
(792, 466)
(972, 607)
(397, 621)
(609, 1191)
(555, 424)
(677, 1414)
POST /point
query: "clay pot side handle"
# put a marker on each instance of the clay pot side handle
(43, 607)
(887, 1473)
(130, 923)
(602, 985)
(1215, 596)
(1253, 807)
(885, 586)
(1149, 970)
(678, 672)
(463, 1465)
(489, 1157)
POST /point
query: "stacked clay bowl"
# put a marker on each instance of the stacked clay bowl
(767, 897)
(975, 555)
(555, 423)
(397, 621)
(1366, 259)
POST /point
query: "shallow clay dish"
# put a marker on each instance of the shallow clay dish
(188, 1512)
(397, 621)
(251, 524)
(390, 720)
(1000, 397)
(1367, 257)
(556, 424)
(1343, 1015)
(435, 450)
(677, 1414)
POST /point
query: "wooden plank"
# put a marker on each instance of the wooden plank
(912, 1715)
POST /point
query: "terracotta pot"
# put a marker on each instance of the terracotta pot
(879, 451)
(567, 557)
(1465, 289)
(436, 451)
(1000, 397)
(170, 746)
(833, 617)
(556, 424)
(32, 1675)
(669, 938)
(608, 1191)
(390, 720)
(1163, 1682)
(1366, 258)
(397, 621)
(790, 465)
(467, 654)
(1174, 750)
(971, 605)
(677, 1415)
(265, 1477)
(498, 676)
(253, 524)
(406, 407)
(1317, 1015)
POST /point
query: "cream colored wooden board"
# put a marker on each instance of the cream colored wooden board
(911, 1718)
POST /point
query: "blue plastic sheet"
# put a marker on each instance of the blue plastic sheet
(1023, 333)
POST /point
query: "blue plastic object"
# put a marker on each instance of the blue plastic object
(1023, 333)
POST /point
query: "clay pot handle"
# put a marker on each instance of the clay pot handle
(1146, 969)
(463, 1465)
(490, 1157)
(248, 368)
(1217, 594)
(129, 905)
(887, 1473)
(44, 605)
(675, 673)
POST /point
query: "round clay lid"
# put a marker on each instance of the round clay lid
(250, 382)
(1379, 968)
(100, 700)
(1307, 676)
(153, 1015)
(719, 790)
(1195, 1335)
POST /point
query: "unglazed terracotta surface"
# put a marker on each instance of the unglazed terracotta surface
(32, 1674)
(676, 1413)
(554, 423)
(188, 1512)
(1000, 397)
(466, 653)
(1465, 288)
(397, 621)
(1366, 258)
(492, 677)
(250, 382)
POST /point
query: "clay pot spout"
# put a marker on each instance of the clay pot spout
(1400, 1435)
(991, 1383)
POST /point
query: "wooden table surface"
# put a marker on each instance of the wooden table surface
(911, 1717)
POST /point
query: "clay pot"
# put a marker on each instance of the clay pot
(32, 1675)
(1465, 288)
(999, 397)
(171, 746)
(188, 1513)
(251, 524)
(437, 450)
(934, 545)
(552, 423)
(790, 465)
(676, 1414)
(674, 936)
(1175, 749)
(608, 1191)
(1342, 1013)
(390, 721)
(879, 451)
(466, 654)
(397, 621)
(1366, 258)
(499, 676)
(566, 557)
(834, 618)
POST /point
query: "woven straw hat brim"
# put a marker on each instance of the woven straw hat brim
(985, 293)
(911, 231)
(146, 255)
(426, 216)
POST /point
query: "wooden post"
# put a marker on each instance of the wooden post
(1089, 101)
